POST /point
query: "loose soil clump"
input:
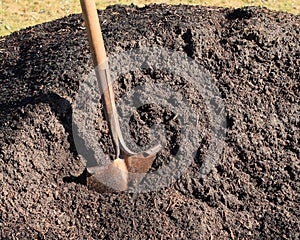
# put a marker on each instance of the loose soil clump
(252, 192)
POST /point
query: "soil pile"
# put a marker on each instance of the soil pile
(253, 55)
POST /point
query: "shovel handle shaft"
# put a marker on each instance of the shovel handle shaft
(91, 19)
(94, 33)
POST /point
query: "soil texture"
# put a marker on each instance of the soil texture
(251, 192)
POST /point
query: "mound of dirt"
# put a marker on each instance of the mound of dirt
(252, 192)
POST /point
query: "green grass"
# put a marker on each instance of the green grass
(18, 14)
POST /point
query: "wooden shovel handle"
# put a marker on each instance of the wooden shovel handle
(92, 24)
(100, 60)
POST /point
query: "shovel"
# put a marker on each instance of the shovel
(129, 168)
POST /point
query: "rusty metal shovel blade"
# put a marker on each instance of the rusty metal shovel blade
(121, 173)
(128, 168)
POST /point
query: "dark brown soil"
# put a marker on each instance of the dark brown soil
(252, 192)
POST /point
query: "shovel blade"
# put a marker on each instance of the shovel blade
(121, 173)
(111, 178)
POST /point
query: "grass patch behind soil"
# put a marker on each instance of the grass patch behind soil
(17, 14)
